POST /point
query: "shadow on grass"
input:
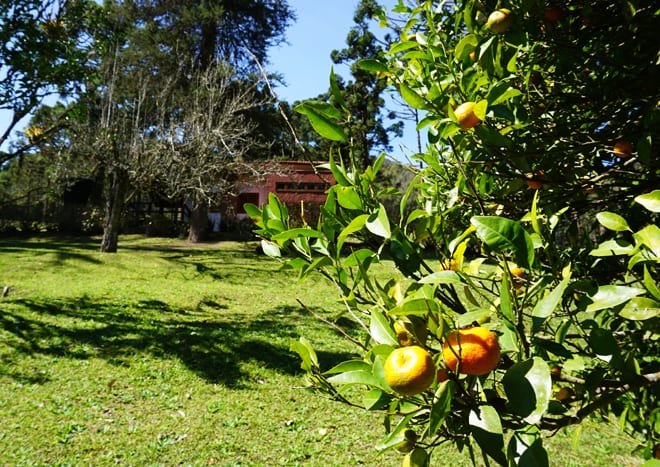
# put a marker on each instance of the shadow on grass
(215, 346)
(64, 248)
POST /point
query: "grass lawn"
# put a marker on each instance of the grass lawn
(171, 354)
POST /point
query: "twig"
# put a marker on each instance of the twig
(333, 326)
(286, 119)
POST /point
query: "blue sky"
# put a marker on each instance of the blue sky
(321, 27)
(304, 62)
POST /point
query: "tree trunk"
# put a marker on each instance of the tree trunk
(198, 222)
(117, 185)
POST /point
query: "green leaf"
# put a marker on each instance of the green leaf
(546, 306)
(640, 309)
(271, 249)
(609, 296)
(356, 377)
(252, 210)
(316, 264)
(502, 234)
(348, 198)
(375, 399)
(612, 221)
(359, 257)
(441, 406)
(505, 299)
(614, 247)
(466, 45)
(534, 215)
(378, 223)
(650, 201)
(415, 306)
(349, 365)
(413, 99)
(396, 435)
(293, 233)
(479, 315)
(528, 387)
(355, 225)
(306, 352)
(339, 173)
(603, 342)
(651, 284)
(501, 92)
(442, 277)
(369, 64)
(334, 88)
(531, 452)
(380, 330)
(487, 432)
(480, 109)
(649, 236)
(323, 125)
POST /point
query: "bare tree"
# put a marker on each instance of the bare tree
(196, 147)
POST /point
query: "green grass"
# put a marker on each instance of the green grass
(169, 354)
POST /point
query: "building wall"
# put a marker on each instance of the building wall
(296, 183)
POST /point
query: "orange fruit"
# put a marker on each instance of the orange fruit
(449, 265)
(532, 181)
(465, 115)
(553, 13)
(564, 394)
(516, 272)
(409, 370)
(442, 375)
(500, 21)
(623, 148)
(477, 347)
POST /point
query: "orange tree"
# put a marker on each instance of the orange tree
(526, 221)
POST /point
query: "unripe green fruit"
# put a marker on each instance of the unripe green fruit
(416, 458)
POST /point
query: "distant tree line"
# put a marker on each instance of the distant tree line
(158, 97)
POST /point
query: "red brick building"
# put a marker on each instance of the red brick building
(293, 182)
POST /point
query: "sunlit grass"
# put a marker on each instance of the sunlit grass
(169, 354)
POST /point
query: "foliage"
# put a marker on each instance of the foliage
(568, 283)
(45, 49)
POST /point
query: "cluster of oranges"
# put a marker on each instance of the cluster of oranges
(411, 369)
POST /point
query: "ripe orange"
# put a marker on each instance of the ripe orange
(500, 21)
(409, 370)
(518, 278)
(564, 394)
(442, 375)
(623, 148)
(449, 265)
(533, 182)
(553, 13)
(465, 115)
(477, 347)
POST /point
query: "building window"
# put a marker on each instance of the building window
(300, 187)
(244, 198)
